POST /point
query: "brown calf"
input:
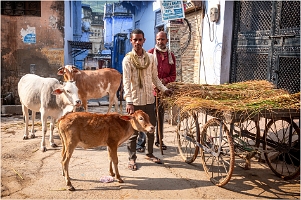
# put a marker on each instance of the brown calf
(94, 84)
(92, 130)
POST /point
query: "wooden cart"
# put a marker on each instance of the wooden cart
(220, 136)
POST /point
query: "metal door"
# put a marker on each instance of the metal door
(266, 43)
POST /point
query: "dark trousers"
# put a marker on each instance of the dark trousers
(141, 136)
(131, 145)
(161, 120)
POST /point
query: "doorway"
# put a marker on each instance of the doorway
(266, 43)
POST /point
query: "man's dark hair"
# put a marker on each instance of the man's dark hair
(137, 31)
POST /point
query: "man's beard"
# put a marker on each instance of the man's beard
(162, 46)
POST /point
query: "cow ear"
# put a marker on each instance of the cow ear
(76, 71)
(60, 71)
(57, 91)
(126, 117)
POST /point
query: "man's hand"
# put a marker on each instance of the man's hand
(130, 108)
(168, 92)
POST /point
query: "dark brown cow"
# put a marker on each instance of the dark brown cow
(94, 84)
(89, 130)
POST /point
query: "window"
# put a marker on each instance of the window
(18, 8)
(159, 18)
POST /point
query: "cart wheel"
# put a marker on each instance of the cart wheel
(187, 135)
(217, 152)
(282, 148)
(246, 140)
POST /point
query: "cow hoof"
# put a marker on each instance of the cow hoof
(25, 137)
(121, 181)
(71, 188)
(43, 149)
(54, 145)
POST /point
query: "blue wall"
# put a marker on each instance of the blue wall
(73, 32)
(68, 9)
(121, 24)
(120, 21)
(146, 15)
(117, 21)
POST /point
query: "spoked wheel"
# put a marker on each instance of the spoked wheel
(246, 140)
(282, 148)
(217, 152)
(187, 136)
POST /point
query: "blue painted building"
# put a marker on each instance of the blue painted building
(119, 20)
(79, 57)
(145, 14)
(71, 11)
(76, 41)
(118, 23)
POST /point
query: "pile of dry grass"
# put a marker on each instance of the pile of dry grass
(249, 96)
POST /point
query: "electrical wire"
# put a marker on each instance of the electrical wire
(202, 54)
(143, 12)
(182, 50)
(211, 40)
(204, 66)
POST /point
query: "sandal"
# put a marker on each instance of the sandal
(140, 149)
(132, 165)
(153, 159)
(164, 147)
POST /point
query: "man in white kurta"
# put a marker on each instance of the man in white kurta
(139, 75)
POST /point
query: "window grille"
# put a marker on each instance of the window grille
(19, 8)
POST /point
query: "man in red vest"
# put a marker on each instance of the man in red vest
(166, 64)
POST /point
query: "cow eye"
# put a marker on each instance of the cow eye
(140, 118)
(67, 91)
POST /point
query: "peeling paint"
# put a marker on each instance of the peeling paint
(28, 35)
(53, 22)
(32, 45)
(54, 56)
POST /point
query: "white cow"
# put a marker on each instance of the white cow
(50, 98)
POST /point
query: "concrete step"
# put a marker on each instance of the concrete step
(11, 109)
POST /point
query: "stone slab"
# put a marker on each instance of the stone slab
(11, 109)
